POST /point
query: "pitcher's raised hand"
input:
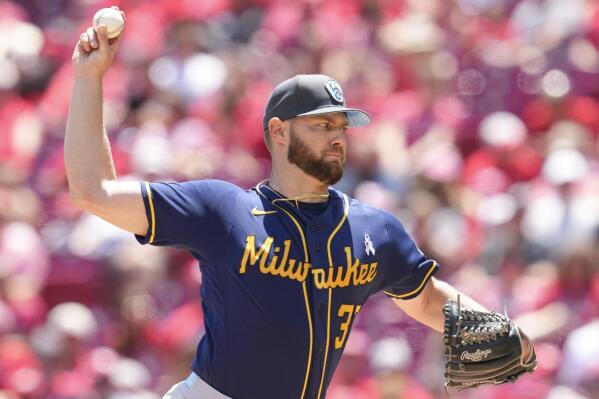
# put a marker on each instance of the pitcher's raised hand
(94, 52)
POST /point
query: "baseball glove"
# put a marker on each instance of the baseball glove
(482, 348)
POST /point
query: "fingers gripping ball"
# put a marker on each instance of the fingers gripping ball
(113, 20)
(482, 348)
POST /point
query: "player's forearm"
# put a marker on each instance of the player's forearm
(439, 294)
(88, 159)
(427, 308)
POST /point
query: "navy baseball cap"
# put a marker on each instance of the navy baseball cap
(304, 95)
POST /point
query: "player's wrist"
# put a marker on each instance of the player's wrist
(86, 74)
(87, 79)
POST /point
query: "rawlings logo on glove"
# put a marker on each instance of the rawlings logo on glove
(482, 348)
(476, 356)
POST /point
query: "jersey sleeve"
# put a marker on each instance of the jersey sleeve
(408, 269)
(190, 215)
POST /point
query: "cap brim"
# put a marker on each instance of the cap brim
(355, 117)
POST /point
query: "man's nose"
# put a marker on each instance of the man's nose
(339, 138)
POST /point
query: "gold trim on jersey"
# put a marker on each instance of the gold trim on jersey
(152, 215)
(306, 300)
(308, 312)
(424, 280)
(326, 351)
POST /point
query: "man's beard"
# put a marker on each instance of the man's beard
(299, 154)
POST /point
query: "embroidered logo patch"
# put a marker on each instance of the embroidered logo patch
(334, 90)
(369, 245)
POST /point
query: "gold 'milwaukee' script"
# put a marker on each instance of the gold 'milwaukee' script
(353, 273)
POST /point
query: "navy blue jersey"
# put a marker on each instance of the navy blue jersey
(281, 285)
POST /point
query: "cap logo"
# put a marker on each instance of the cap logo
(334, 90)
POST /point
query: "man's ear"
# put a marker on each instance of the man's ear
(277, 130)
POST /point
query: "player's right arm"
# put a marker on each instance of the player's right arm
(93, 185)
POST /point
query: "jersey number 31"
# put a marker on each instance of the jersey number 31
(345, 313)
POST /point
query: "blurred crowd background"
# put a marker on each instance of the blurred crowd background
(484, 143)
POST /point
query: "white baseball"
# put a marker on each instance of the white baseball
(113, 20)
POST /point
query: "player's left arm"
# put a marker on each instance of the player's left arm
(427, 307)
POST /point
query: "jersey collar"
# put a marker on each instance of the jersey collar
(271, 194)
